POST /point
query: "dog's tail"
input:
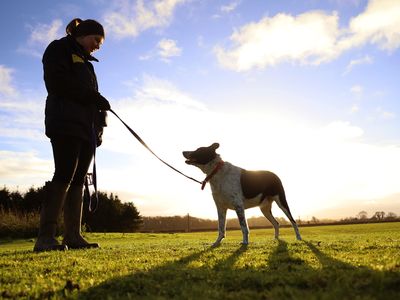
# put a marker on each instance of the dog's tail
(284, 205)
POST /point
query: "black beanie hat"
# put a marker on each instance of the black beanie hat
(77, 28)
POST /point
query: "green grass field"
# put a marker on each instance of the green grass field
(333, 262)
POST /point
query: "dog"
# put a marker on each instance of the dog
(238, 189)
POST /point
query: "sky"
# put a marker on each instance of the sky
(306, 89)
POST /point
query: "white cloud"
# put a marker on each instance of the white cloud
(161, 90)
(384, 114)
(6, 81)
(41, 35)
(22, 119)
(24, 169)
(357, 90)
(130, 18)
(355, 108)
(379, 24)
(227, 9)
(307, 38)
(165, 50)
(311, 38)
(230, 7)
(340, 130)
(355, 62)
(145, 56)
(168, 48)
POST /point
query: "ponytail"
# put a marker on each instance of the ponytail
(72, 26)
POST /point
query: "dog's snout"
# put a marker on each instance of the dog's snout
(188, 155)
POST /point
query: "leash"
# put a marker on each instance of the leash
(151, 151)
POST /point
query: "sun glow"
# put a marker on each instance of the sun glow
(319, 166)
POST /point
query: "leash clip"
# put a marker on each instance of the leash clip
(90, 180)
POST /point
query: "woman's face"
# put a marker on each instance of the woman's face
(90, 43)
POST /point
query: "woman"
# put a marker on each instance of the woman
(74, 119)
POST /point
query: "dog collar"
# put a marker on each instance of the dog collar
(211, 175)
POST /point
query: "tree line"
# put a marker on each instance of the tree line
(19, 216)
(189, 223)
(112, 215)
(361, 217)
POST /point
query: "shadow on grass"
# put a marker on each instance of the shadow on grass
(294, 278)
(210, 274)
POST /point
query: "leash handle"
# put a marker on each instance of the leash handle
(91, 178)
(151, 151)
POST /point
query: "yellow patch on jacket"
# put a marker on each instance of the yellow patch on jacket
(77, 59)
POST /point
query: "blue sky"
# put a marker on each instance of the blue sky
(307, 89)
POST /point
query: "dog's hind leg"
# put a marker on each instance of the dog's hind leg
(266, 210)
(243, 224)
(221, 226)
(285, 209)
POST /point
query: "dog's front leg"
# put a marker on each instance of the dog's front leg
(221, 226)
(243, 224)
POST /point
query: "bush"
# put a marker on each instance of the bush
(112, 215)
(18, 224)
(20, 214)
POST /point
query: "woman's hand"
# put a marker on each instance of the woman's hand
(102, 103)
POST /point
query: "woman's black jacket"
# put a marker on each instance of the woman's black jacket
(71, 105)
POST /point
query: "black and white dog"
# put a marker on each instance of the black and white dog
(238, 189)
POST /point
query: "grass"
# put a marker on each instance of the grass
(333, 262)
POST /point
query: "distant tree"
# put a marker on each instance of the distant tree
(130, 218)
(314, 220)
(379, 215)
(11, 200)
(362, 215)
(32, 199)
(282, 221)
(391, 216)
(17, 202)
(4, 198)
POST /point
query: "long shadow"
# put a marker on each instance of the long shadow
(212, 274)
(160, 282)
(294, 278)
(230, 260)
(354, 282)
(175, 280)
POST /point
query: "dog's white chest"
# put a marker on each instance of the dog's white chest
(226, 188)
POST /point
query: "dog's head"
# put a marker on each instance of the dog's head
(201, 156)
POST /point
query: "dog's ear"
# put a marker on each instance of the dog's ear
(215, 146)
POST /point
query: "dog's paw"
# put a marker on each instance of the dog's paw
(215, 245)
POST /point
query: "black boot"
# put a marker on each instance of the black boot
(73, 218)
(51, 209)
